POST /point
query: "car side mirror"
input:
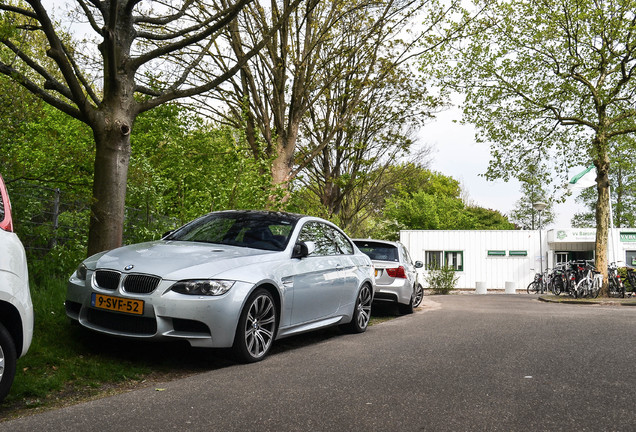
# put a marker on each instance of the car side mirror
(300, 250)
(303, 249)
(419, 264)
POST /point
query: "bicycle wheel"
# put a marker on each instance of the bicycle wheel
(572, 289)
(595, 289)
(533, 288)
(583, 288)
(555, 287)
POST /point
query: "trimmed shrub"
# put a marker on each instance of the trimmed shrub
(442, 280)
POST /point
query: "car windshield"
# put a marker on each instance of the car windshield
(258, 230)
(379, 251)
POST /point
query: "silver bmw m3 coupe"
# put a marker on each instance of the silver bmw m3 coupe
(239, 279)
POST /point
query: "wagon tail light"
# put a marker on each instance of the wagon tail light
(396, 272)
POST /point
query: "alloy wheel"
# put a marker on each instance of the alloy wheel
(260, 326)
(363, 314)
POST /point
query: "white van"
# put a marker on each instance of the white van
(16, 309)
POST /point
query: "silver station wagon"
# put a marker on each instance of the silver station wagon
(396, 274)
(239, 279)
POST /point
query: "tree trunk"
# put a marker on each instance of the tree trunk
(281, 169)
(283, 163)
(602, 213)
(112, 156)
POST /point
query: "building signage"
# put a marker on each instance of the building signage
(575, 235)
(628, 237)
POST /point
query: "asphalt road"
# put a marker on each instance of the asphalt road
(462, 363)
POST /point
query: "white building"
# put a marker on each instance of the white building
(504, 259)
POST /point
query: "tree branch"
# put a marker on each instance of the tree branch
(224, 19)
(40, 92)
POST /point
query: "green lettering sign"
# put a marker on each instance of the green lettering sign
(628, 237)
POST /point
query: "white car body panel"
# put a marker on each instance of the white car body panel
(14, 284)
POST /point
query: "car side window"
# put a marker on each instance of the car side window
(320, 235)
(407, 257)
(344, 245)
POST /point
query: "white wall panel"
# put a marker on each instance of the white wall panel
(497, 270)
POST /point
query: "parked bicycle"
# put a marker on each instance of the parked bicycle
(590, 284)
(558, 280)
(581, 279)
(616, 284)
(538, 285)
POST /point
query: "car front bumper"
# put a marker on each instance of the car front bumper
(203, 321)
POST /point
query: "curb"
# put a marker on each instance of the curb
(609, 302)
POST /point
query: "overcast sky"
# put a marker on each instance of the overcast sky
(456, 154)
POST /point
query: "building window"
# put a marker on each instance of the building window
(518, 253)
(630, 258)
(433, 259)
(496, 253)
(454, 260)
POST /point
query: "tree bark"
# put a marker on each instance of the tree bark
(602, 164)
(112, 157)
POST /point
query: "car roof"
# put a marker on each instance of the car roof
(261, 212)
(387, 242)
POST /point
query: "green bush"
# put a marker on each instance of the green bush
(442, 280)
(623, 272)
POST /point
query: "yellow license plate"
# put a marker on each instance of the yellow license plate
(118, 304)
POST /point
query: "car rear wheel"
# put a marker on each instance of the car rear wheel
(361, 311)
(256, 328)
(8, 358)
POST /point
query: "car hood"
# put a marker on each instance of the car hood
(178, 260)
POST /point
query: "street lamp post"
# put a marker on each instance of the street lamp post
(539, 206)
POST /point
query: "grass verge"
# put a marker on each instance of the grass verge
(629, 301)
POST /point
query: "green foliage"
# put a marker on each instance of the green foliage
(546, 80)
(622, 271)
(442, 280)
(182, 168)
(479, 218)
(431, 201)
(623, 188)
(533, 189)
(48, 164)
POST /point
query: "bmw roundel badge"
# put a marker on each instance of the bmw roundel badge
(129, 267)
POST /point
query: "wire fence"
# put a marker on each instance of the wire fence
(47, 218)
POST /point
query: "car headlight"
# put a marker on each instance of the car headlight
(81, 271)
(209, 287)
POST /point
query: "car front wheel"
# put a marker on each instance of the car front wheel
(361, 311)
(8, 358)
(256, 328)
